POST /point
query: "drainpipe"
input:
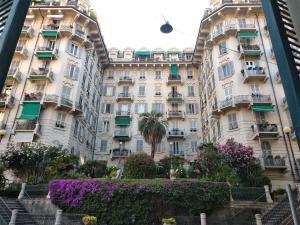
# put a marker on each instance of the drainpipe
(275, 98)
(28, 71)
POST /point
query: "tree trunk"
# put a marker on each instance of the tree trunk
(152, 150)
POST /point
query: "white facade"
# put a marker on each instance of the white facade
(144, 81)
(239, 80)
(52, 93)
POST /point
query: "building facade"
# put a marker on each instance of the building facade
(240, 87)
(52, 92)
(144, 81)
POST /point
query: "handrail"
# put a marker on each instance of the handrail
(3, 203)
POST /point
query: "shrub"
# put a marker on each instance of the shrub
(111, 171)
(169, 221)
(2, 178)
(89, 220)
(115, 202)
(164, 166)
(139, 166)
(94, 168)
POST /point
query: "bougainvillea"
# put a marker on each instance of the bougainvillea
(148, 201)
(236, 154)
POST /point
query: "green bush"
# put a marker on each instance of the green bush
(94, 168)
(139, 166)
(114, 202)
(111, 171)
(2, 178)
(164, 166)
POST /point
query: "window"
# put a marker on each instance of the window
(222, 48)
(260, 117)
(73, 71)
(192, 108)
(158, 107)
(228, 92)
(266, 148)
(226, 70)
(109, 91)
(189, 74)
(142, 74)
(60, 120)
(141, 90)
(76, 128)
(188, 57)
(157, 75)
(106, 126)
(110, 75)
(194, 146)
(193, 126)
(191, 91)
(73, 49)
(126, 74)
(218, 129)
(140, 108)
(66, 92)
(254, 88)
(232, 122)
(176, 147)
(139, 145)
(107, 108)
(157, 90)
(160, 147)
(103, 146)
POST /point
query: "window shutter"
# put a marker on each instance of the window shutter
(136, 108)
(104, 90)
(146, 107)
(231, 65)
(69, 46)
(102, 107)
(76, 73)
(114, 91)
(67, 72)
(112, 108)
(220, 72)
(197, 108)
(153, 107)
(162, 108)
(100, 126)
(79, 52)
(187, 108)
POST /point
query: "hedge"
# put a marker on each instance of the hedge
(147, 201)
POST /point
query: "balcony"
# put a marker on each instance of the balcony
(66, 30)
(6, 101)
(209, 41)
(273, 163)
(173, 80)
(175, 134)
(124, 97)
(41, 74)
(122, 135)
(28, 126)
(259, 99)
(120, 153)
(78, 35)
(215, 110)
(175, 115)
(254, 74)
(50, 31)
(123, 114)
(125, 80)
(175, 98)
(230, 29)
(33, 97)
(249, 50)
(265, 131)
(233, 102)
(226, 105)
(242, 100)
(21, 51)
(27, 32)
(14, 75)
(88, 42)
(46, 53)
(218, 35)
(247, 27)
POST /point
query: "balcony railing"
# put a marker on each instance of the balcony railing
(265, 130)
(6, 100)
(175, 133)
(14, 74)
(41, 73)
(22, 51)
(125, 79)
(122, 133)
(175, 114)
(252, 50)
(259, 99)
(267, 127)
(271, 162)
(174, 95)
(123, 114)
(218, 34)
(45, 49)
(33, 97)
(241, 99)
(125, 96)
(174, 79)
(247, 26)
(51, 27)
(226, 103)
(27, 125)
(254, 73)
(27, 31)
(120, 153)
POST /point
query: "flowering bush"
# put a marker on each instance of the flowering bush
(171, 221)
(89, 220)
(236, 154)
(115, 202)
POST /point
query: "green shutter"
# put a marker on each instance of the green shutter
(247, 35)
(174, 70)
(122, 122)
(142, 53)
(30, 111)
(263, 108)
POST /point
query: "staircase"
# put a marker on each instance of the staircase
(6, 207)
(280, 212)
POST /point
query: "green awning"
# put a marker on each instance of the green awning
(247, 35)
(122, 122)
(121, 138)
(263, 108)
(44, 55)
(174, 70)
(49, 33)
(142, 53)
(31, 111)
(251, 52)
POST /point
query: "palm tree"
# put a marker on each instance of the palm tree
(153, 127)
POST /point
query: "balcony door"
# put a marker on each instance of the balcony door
(174, 90)
(266, 149)
(260, 117)
(51, 44)
(174, 107)
(176, 147)
(125, 90)
(124, 108)
(228, 92)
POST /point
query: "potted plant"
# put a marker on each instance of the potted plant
(169, 221)
(89, 220)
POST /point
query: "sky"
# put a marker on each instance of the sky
(136, 23)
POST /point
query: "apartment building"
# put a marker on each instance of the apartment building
(52, 92)
(240, 87)
(143, 81)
